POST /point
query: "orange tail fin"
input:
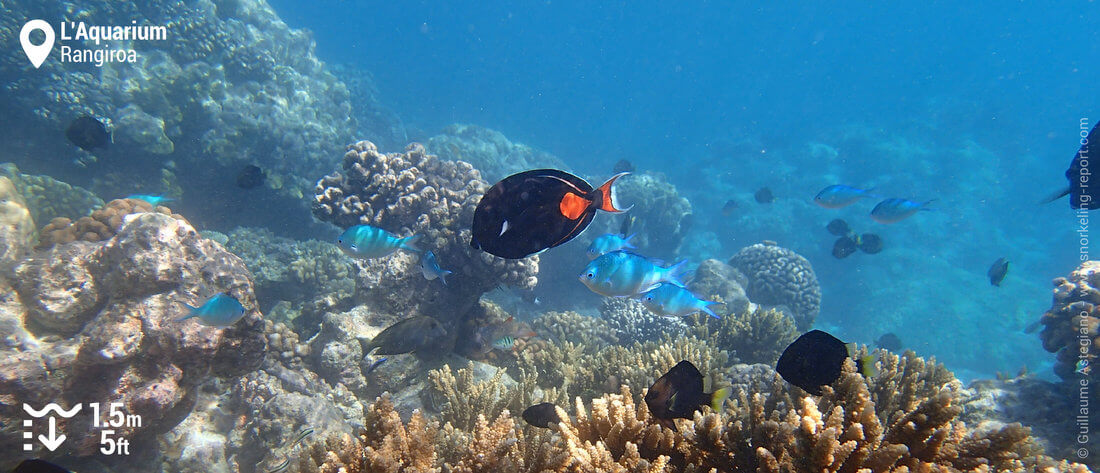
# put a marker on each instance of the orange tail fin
(607, 195)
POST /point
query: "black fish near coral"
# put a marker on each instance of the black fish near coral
(889, 341)
(729, 208)
(997, 271)
(35, 465)
(88, 133)
(533, 211)
(764, 196)
(541, 415)
(627, 225)
(1082, 191)
(679, 393)
(844, 246)
(839, 227)
(815, 359)
(251, 176)
(408, 335)
(622, 166)
(870, 243)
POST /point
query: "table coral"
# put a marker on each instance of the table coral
(778, 276)
(101, 324)
(1071, 328)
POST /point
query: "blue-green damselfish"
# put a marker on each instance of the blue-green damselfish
(607, 243)
(671, 300)
(220, 311)
(155, 200)
(624, 274)
(365, 241)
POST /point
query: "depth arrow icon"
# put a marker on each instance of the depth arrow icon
(54, 440)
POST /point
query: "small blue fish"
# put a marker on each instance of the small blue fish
(155, 200)
(430, 267)
(837, 196)
(896, 210)
(220, 311)
(374, 365)
(623, 274)
(504, 343)
(672, 300)
(608, 243)
(365, 241)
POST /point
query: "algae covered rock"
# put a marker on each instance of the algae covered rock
(16, 226)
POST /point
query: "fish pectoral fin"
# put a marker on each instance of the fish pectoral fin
(1055, 196)
(719, 397)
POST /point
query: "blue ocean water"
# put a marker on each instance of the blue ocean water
(976, 105)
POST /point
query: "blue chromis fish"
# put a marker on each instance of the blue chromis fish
(430, 267)
(607, 243)
(220, 311)
(838, 195)
(365, 241)
(671, 300)
(623, 274)
(155, 200)
(896, 210)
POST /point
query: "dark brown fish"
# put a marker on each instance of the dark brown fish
(870, 243)
(844, 247)
(764, 196)
(815, 359)
(251, 176)
(623, 166)
(533, 211)
(406, 336)
(1083, 195)
(35, 465)
(679, 393)
(889, 341)
(88, 133)
(729, 208)
(541, 415)
(839, 227)
(998, 271)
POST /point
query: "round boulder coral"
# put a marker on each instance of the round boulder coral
(778, 276)
(1071, 328)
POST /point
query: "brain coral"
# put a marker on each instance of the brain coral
(414, 192)
(1071, 328)
(780, 277)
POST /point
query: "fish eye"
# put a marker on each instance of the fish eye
(590, 275)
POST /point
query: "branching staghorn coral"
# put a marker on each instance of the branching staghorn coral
(758, 336)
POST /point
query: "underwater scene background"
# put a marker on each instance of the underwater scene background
(180, 235)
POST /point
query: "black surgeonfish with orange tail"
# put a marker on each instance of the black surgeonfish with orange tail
(533, 211)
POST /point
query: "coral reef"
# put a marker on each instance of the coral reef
(101, 225)
(97, 322)
(48, 198)
(570, 326)
(375, 121)
(305, 276)
(16, 226)
(1071, 328)
(767, 428)
(417, 193)
(720, 282)
(778, 277)
(756, 336)
(662, 216)
(232, 85)
(489, 151)
(631, 322)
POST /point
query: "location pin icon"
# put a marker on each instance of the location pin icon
(36, 53)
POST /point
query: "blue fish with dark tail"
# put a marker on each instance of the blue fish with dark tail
(220, 311)
(896, 210)
(430, 267)
(365, 241)
(671, 300)
(623, 274)
(837, 196)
